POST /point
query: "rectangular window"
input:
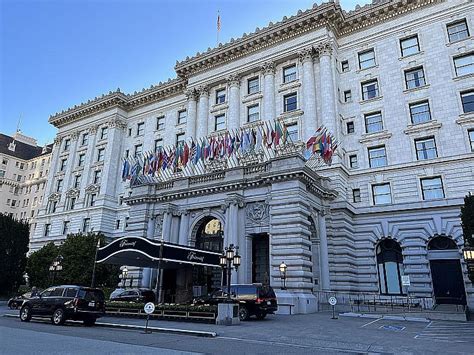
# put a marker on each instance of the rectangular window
(141, 129)
(47, 229)
(67, 144)
(103, 133)
(219, 122)
(86, 222)
(100, 154)
(367, 59)
(65, 227)
(467, 99)
(373, 122)
(97, 176)
(53, 205)
(292, 132)
(182, 116)
(289, 74)
(345, 66)
(85, 138)
(350, 127)
(425, 148)
(129, 132)
(457, 31)
(382, 194)
(77, 181)
(62, 167)
(471, 139)
(356, 195)
(220, 96)
(420, 112)
(59, 185)
(464, 64)
(409, 46)
(2, 173)
(117, 224)
(353, 161)
(253, 85)
(158, 144)
(92, 198)
(253, 113)
(432, 188)
(160, 123)
(370, 90)
(414, 78)
(81, 159)
(138, 150)
(72, 203)
(289, 102)
(377, 157)
(347, 96)
(180, 138)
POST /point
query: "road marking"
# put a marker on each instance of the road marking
(372, 322)
(443, 331)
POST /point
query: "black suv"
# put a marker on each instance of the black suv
(65, 302)
(253, 299)
(141, 295)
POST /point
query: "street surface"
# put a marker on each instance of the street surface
(301, 334)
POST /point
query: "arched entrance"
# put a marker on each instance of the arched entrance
(446, 272)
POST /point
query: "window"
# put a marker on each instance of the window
(182, 117)
(220, 96)
(409, 46)
(289, 102)
(425, 148)
(138, 150)
(219, 122)
(415, 78)
(367, 59)
(347, 96)
(2, 173)
(86, 222)
(432, 188)
(160, 123)
(81, 160)
(47, 229)
(52, 206)
(350, 127)
(373, 122)
(92, 198)
(85, 138)
(253, 113)
(4, 161)
(117, 224)
(390, 267)
(129, 132)
(103, 133)
(158, 144)
(353, 161)
(420, 112)
(97, 176)
(370, 90)
(471, 139)
(345, 66)
(100, 154)
(253, 86)
(289, 74)
(382, 194)
(464, 64)
(356, 195)
(140, 128)
(72, 203)
(62, 167)
(457, 31)
(467, 99)
(65, 227)
(59, 185)
(377, 157)
(292, 132)
(67, 144)
(77, 181)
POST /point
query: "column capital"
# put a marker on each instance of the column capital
(268, 68)
(203, 90)
(191, 94)
(93, 129)
(75, 135)
(117, 123)
(306, 54)
(233, 80)
(325, 48)
(57, 140)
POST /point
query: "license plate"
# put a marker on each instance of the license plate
(269, 303)
(92, 304)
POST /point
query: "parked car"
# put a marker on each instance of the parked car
(65, 302)
(253, 299)
(141, 295)
(17, 301)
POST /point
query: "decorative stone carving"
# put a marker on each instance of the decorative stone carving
(72, 193)
(56, 196)
(57, 140)
(92, 188)
(93, 129)
(117, 123)
(233, 80)
(203, 90)
(268, 68)
(257, 212)
(191, 94)
(75, 135)
(306, 54)
(325, 48)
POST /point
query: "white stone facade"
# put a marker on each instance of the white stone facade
(349, 224)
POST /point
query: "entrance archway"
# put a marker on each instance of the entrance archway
(446, 272)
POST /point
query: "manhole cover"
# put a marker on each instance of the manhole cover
(395, 328)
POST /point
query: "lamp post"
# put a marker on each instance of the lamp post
(27, 279)
(468, 254)
(55, 267)
(228, 260)
(124, 276)
(95, 262)
(283, 267)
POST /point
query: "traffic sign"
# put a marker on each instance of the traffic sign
(149, 308)
(332, 301)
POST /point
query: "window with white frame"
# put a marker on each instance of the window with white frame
(353, 164)
(67, 144)
(138, 150)
(471, 139)
(367, 59)
(409, 46)
(464, 64)
(420, 112)
(377, 156)
(59, 185)
(86, 224)
(289, 73)
(141, 129)
(100, 154)
(182, 117)
(457, 30)
(85, 138)
(356, 195)
(253, 113)
(97, 176)
(253, 85)
(219, 122)
(220, 96)
(65, 227)
(92, 199)
(425, 148)
(347, 96)
(104, 132)
(290, 102)
(180, 137)
(373, 122)
(382, 194)
(292, 132)
(62, 166)
(72, 203)
(47, 229)
(370, 89)
(350, 128)
(467, 100)
(432, 188)
(415, 78)
(77, 181)
(160, 123)
(345, 66)
(158, 144)
(81, 159)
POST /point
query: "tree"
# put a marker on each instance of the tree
(14, 238)
(467, 220)
(39, 263)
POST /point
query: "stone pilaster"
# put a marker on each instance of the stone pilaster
(191, 97)
(268, 72)
(53, 169)
(324, 258)
(71, 162)
(309, 92)
(166, 229)
(233, 82)
(328, 100)
(203, 112)
(112, 162)
(87, 173)
(184, 228)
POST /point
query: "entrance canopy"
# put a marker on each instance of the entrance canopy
(142, 252)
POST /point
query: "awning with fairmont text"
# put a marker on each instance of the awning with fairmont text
(142, 252)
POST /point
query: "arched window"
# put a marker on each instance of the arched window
(442, 243)
(390, 267)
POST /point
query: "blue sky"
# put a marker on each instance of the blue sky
(57, 53)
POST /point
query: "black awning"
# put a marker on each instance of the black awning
(142, 252)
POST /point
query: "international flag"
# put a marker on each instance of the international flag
(125, 170)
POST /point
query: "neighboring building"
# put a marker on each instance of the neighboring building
(394, 82)
(24, 167)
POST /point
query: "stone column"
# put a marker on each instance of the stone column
(234, 102)
(191, 97)
(328, 100)
(232, 229)
(309, 93)
(268, 72)
(203, 113)
(146, 272)
(166, 228)
(184, 228)
(324, 259)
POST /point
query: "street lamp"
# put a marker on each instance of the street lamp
(228, 260)
(56, 266)
(27, 279)
(124, 276)
(283, 267)
(95, 262)
(468, 254)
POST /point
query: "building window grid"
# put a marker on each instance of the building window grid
(62, 167)
(103, 133)
(158, 144)
(457, 31)
(471, 139)
(377, 157)
(415, 78)
(289, 74)
(425, 148)
(356, 196)
(345, 66)
(141, 129)
(86, 224)
(77, 181)
(182, 117)
(432, 188)
(47, 229)
(353, 163)
(160, 123)
(97, 176)
(367, 59)
(219, 122)
(220, 96)
(409, 46)
(180, 137)
(464, 64)
(253, 113)
(467, 100)
(290, 102)
(370, 89)
(85, 138)
(81, 159)
(253, 85)
(65, 227)
(100, 154)
(381, 194)
(347, 96)
(67, 144)
(420, 112)
(138, 150)
(350, 128)
(373, 122)
(292, 132)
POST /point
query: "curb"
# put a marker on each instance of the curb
(197, 333)
(388, 317)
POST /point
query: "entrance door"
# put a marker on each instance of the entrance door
(448, 283)
(260, 258)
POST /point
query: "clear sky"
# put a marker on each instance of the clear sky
(55, 54)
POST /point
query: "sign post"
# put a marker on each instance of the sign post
(149, 309)
(406, 282)
(333, 301)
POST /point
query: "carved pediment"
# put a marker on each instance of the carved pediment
(72, 193)
(56, 196)
(92, 188)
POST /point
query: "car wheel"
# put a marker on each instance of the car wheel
(244, 313)
(261, 315)
(25, 314)
(89, 322)
(58, 317)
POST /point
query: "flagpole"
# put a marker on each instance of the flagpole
(218, 27)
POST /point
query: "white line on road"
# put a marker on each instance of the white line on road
(371, 322)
